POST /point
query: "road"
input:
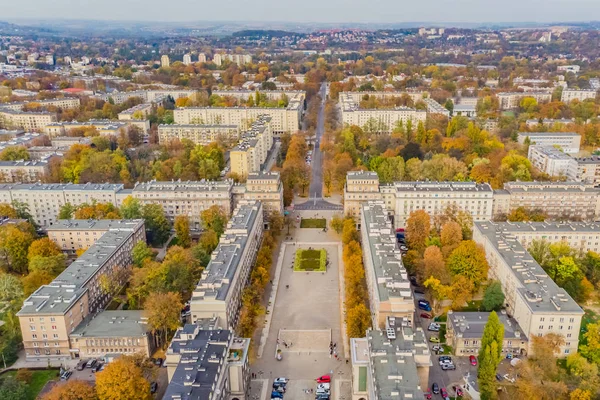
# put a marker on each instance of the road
(315, 190)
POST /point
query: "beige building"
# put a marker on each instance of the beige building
(390, 294)
(361, 186)
(54, 311)
(65, 142)
(64, 103)
(568, 95)
(219, 291)
(267, 188)
(549, 160)
(112, 332)
(23, 171)
(559, 200)
(198, 134)
(532, 298)
(164, 61)
(148, 96)
(251, 153)
(512, 100)
(585, 169)
(105, 127)
(72, 235)
(29, 121)
(464, 331)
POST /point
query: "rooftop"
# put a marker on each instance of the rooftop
(94, 224)
(442, 186)
(549, 187)
(547, 134)
(362, 175)
(184, 186)
(118, 323)
(472, 324)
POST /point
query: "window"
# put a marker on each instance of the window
(32, 327)
(53, 327)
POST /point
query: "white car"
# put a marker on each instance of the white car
(434, 327)
(281, 380)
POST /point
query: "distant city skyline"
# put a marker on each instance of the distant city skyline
(313, 11)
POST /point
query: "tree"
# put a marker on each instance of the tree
(43, 247)
(545, 349)
(14, 153)
(468, 259)
(214, 218)
(54, 265)
(490, 355)
(141, 253)
(451, 235)
(66, 211)
(13, 389)
(358, 319)
(156, 223)
(460, 291)
(7, 211)
(349, 232)
(164, 311)
(34, 280)
(122, 380)
(73, 389)
(493, 298)
(182, 230)
(131, 208)
(14, 244)
(337, 223)
(418, 226)
(434, 266)
(591, 347)
(10, 288)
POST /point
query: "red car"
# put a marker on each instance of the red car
(324, 379)
(459, 391)
(425, 315)
(473, 360)
(428, 395)
(444, 393)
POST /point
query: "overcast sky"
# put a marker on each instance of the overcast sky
(308, 10)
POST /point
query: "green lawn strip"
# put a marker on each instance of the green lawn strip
(38, 380)
(310, 260)
(313, 223)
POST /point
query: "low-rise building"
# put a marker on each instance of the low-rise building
(105, 127)
(148, 96)
(464, 331)
(465, 110)
(23, 170)
(568, 95)
(54, 311)
(569, 142)
(532, 298)
(64, 142)
(219, 291)
(30, 121)
(549, 122)
(549, 160)
(204, 362)
(112, 332)
(198, 134)
(391, 364)
(390, 294)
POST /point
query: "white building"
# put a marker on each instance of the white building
(164, 61)
(187, 59)
(550, 160)
(199, 134)
(568, 95)
(569, 142)
(511, 100)
(569, 68)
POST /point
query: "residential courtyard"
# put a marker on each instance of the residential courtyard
(304, 318)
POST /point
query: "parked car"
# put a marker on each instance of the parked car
(424, 305)
(81, 365)
(97, 367)
(158, 361)
(66, 375)
(419, 291)
(413, 279)
(459, 392)
(324, 379)
(434, 327)
(437, 349)
(499, 378)
(276, 395)
(281, 380)
(91, 363)
(153, 387)
(428, 395)
(443, 392)
(425, 315)
(434, 339)
(448, 367)
(280, 389)
(403, 247)
(445, 359)
(435, 388)
(473, 360)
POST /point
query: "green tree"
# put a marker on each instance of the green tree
(591, 347)
(182, 230)
(14, 244)
(66, 211)
(490, 355)
(493, 298)
(131, 208)
(13, 389)
(141, 253)
(468, 259)
(156, 223)
(11, 288)
(214, 218)
(14, 153)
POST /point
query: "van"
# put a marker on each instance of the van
(424, 305)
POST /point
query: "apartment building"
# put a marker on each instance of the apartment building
(25, 140)
(584, 169)
(164, 61)
(250, 154)
(390, 365)
(550, 160)
(54, 311)
(532, 298)
(433, 107)
(464, 331)
(283, 120)
(184, 197)
(356, 97)
(568, 95)
(148, 96)
(512, 100)
(72, 235)
(64, 103)
(29, 121)
(219, 291)
(569, 142)
(23, 170)
(548, 122)
(239, 59)
(113, 332)
(360, 187)
(267, 188)
(137, 116)
(569, 68)
(64, 142)
(198, 134)
(384, 120)
(205, 362)
(243, 94)
(105, 127)
(187, 59)
(390, 294)
(559, 200)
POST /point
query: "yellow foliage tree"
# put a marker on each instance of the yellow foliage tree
(122, 380)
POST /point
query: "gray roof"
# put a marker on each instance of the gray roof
(550, 134)
(264, 175)
(218, 276)
(429, 186)
(550, 187)
(550, 152)
(178, 186)
(118, 323)
(94, 224)
(391, 276)
(360, 175)
(113, 187)
(203, 355)
(540, 292)
(472, 324)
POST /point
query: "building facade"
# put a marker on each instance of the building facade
(569, 142)
(23, 170)
(199, 134)
(568, 95)
(250, 154)
(512, 100)
(549, 160)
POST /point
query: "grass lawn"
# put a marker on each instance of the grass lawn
(38, 380)
(474, 305)
(313, 223)
(310, 260)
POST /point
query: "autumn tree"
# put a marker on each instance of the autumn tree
(14, 245)
(164, 311)
(433, 265)
(182, 230)
(35, 279)
(141, 253)
(468, 259)
(122, 380)
(44, 254)
(7, 211)
(73, 389)
(337, 223)
(490, 355)
(417, 229)
(590, 347)
(214, 218)
(131, 208)
(450, 235)
(157, 225)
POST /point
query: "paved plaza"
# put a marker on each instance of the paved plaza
(306, 315)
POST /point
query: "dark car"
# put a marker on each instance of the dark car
(499, 378)
(81, 365)
(413, 280)
(435, 388)
(276, 394)
(425, 315)
(153, 387)
(97, 367)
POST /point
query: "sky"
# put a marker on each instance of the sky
(383, 11)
